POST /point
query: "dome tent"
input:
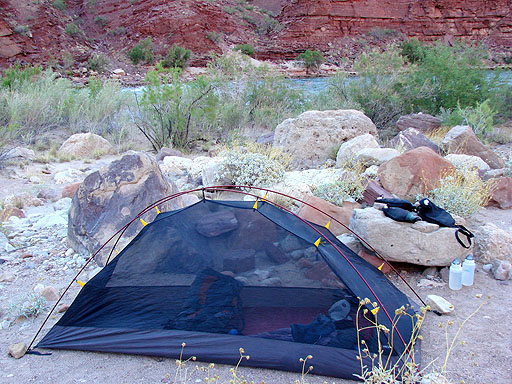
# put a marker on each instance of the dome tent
(220, 275)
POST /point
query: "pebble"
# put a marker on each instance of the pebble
(69, 252)
(50, 293)
(502, 270)
(440, 304)
(7, 277)
(426, 283)
(487, 267)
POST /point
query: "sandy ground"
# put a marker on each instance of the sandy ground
(484, 358)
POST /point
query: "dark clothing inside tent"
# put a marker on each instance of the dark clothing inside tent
(220, 275)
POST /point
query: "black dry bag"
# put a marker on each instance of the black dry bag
(430, 212)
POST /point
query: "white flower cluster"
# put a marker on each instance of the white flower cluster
(252, 169)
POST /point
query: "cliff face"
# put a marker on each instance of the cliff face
(316, 23)
(39, 32)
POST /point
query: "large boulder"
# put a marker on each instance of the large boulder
(412, 172)
(341, 214)
(420, 243)
(85, 145)
(420, 121)
(311, 136)
(502, 193)
(348, 149)
(375, 156)
(492, 243)
(412, 138)
(109, 198)
(461, 139)
(467, 162)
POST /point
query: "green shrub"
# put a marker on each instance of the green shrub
(246, 49)
(349, 186)
(268, 25)
(215, 37)
(101, 21)
(42, 103)
(31, 306)
(60, 4)
(413, 50)
(381, 33)
(310, 59)
(171, 111)
(176, 57)
(17, 76)
(97, 63)
(461, 193)
(117, 31)
(22, 30)
(480, 118)
(142, 52)
(73, 30)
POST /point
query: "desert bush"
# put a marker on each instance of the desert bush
(171, 111)
(22, 30)
(117, 31)
(461, 193)
(74, 30)
(176, 57)
(268, 25)
(101, 21)
(480, 118)
(412, 50)
(254, 165)
(246, 49)
(97, 63)
(381, 33)
(39, 104)
(215, 37)
(60, 4)
(31, 306)
(142, 52)
(18, 75)
(310, 59)
(348, 187)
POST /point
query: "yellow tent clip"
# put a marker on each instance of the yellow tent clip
(143, 222)
(157, 210)
(375, 310)
(80, 283)
(328, 224)
(265, 197)
(317, 243)
(255, 206)
(116, 251)
(380, 268)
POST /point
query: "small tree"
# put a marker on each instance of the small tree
(310, 59)
(143, 51)
(177, 57)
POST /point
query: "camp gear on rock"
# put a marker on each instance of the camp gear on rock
(399, 214)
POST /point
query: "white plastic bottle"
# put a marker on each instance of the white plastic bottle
(455, 278)
(468, 271)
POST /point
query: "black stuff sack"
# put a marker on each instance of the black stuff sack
(430, 212)
(399, 214)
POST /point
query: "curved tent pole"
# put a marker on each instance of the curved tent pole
(227, 188)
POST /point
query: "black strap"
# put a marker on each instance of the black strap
(465, 232)
(32, 352)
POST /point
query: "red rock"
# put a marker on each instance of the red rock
(70, 190)
(412, 172)
(375, 261)
(461, 139)
(11, 211)
(374, 190)
(420, 121)
(61, 308)
(502, 194)
(342, 213)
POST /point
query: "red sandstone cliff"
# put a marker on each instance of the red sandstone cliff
(36, 31)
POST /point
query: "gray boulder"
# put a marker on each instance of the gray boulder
(348, 149)
(492, 243)
(310, 137)
(421, 243)
(109, 198)
(85, 145)
(375, 156)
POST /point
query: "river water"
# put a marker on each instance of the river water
(315, 85)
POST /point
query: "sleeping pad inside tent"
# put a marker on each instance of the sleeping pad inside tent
(220, 275)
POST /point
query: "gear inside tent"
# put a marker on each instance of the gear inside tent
(220, 275)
